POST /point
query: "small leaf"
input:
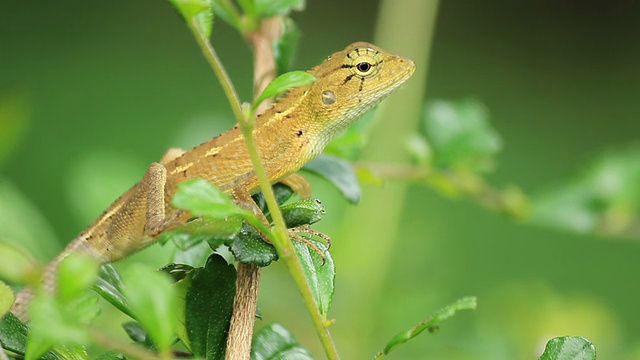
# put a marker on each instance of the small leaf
(339, 173)
(138, 334)
(182, 287)
(320, 276)
(111, 355)
(15, 211)
(52, 324)
(76, 273)
(284, 48)
(248, 6)
(6, 298)
(569, 348)
(201, 198)
(303, 212)
(268, 8)
(194, 256)
(223, 9)
(249, 248)
(282, 193)
(209, 305)
(275, 342)
(13, 334)
(460, 134)
(16, 266)
(152, 298)
(283, 83)
(430, 323)
(71, 352)
(198, 11)
(110, 287)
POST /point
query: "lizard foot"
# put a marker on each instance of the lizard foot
(306, 229)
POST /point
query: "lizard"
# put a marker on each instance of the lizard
(292, 132)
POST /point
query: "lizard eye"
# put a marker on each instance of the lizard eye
(364, 62)
(363, 67)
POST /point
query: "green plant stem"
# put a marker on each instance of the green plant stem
(283, 245)
(280, 237)
(509, 201)
(212, 58)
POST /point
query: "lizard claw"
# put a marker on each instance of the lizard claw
(306, 229)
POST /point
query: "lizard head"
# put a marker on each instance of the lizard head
(352, 81)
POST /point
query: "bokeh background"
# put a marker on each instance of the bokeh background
(92, 92)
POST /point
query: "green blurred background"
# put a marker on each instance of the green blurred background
(92, 92)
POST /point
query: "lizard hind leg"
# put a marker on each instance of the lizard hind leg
(154, 183)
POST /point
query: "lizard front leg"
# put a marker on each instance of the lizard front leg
(298, 184)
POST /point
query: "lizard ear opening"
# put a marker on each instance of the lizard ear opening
(328, 97)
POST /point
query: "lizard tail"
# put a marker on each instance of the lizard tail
(21, 304)
(20, 307)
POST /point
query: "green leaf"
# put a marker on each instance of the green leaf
(339, 173)
(138, 334)
(281, 192)
(320, 275)
(214, 231)
(569, 348)
(71, 352)
(13, 334)
(182, 285)
(194, 256)
(16, 265)
(201, 198)
(52, 324)
(111, 355)
(430, 323)
(110, 287)
(268, 8)
(152, 299)
(275, 342)
(283, 83)
(197, 12)
(248, 6)
(249, 248)
(209, 305)
(605, 199)
(303, 212)
(13, 337)
(460, 134)
(225, 10)
(6, 298)
(16, 211)
(284, 48)
(76, 273)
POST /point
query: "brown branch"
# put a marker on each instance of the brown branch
(248, 281)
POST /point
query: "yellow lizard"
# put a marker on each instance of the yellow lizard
(294, 131)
